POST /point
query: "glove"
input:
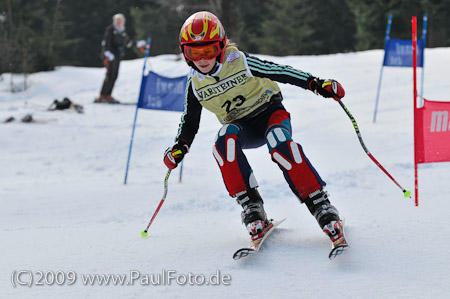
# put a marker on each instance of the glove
(173, 155)
(327, 88)
(109, 55)
(141, 46)
(140, 43)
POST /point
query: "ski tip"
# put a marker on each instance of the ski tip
(337, 251)
(277, 222)
(255, 245)
(243, 253)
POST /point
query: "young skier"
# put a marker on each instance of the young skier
(241, 90)
(114, 43)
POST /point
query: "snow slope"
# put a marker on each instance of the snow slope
(64, 206)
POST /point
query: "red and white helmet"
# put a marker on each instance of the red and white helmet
(202, 36)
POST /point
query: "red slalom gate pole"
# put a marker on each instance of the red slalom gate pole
(414, 44)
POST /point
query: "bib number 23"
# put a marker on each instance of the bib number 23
(236, 102)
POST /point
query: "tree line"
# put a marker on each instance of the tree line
(40, 35)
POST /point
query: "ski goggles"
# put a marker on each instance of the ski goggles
(208, 51)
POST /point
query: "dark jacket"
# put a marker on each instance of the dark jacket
(116, 42)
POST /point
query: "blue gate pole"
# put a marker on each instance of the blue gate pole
(143, 81)
(424, 40)
(386, 42)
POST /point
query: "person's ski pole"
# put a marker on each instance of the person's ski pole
(144, 233)
(406, 193)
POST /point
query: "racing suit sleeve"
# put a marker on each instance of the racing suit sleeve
(278, 72)
(190, 119)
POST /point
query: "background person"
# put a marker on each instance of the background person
(114, 43)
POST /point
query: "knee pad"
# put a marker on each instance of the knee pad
(236, 172)
(283, 149)
(277, 135)
(225, 145)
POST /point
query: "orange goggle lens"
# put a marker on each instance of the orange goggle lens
(196, 53)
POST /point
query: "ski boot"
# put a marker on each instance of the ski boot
(106, 99)
(100, 99)
(335, 231)
(253, 216)
(328, 218)
(111, 100)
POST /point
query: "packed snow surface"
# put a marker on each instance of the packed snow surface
(66, 212)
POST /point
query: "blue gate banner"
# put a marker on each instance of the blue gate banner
(399, 53)
(162, 93)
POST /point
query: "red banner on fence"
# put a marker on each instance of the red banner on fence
(432, 132)
(431, 125)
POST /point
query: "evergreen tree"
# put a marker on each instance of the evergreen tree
(438, 12)
(296, 27)
(39, 35)
(402, 11)
(250, 15)
(370, 19)
(161, 21)
(288, 28)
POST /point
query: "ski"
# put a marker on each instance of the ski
(341, 245)
(255, 245)
(96, 101)
(130, 103)
(30, 119)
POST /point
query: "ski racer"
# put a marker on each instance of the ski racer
(241, 91)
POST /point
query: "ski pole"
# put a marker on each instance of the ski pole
(406, 193)
(144, 233)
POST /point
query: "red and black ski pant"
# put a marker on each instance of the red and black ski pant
(271, 127)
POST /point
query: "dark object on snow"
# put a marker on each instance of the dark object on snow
(65, 104)
(27, 118)
(9, 119)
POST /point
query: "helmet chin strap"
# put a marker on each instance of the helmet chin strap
(214, 69)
